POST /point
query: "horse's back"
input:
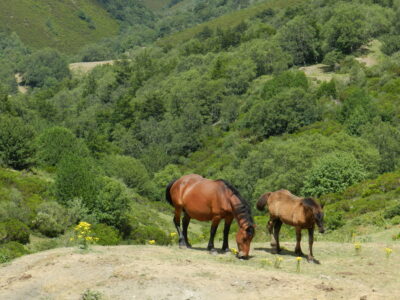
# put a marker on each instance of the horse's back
(201, 198)
(284, 205)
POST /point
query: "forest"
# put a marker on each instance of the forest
(217, 88)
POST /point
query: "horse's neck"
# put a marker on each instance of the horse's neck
(239, 211)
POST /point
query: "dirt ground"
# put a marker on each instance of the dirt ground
(157, 272)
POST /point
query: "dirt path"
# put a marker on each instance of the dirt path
(21, 88)
(155, 272)
(86, 67)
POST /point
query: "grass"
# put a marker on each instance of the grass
(226, 21)
(57, 24)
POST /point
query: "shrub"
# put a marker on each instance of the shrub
(77, 177)
(334, 220)
(131, 171)
(15, 230)
(54, 143)
(112, 203)
(333, 173)
(143, 234)
(392, 212)
(11, 250)
(51, 219)
(16, 149)
(107, 235)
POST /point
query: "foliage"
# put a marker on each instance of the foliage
(16, 150)
(143, 234)
(14, 230)
(107, 235)
(44, 68)
(77, 177)
(11, 250)
(333, 173)
(56, 142)
(51, 219)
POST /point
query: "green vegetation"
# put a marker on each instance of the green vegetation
(63, 25)
(225, 99)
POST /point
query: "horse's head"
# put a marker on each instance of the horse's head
(243, 239)
(317, 212)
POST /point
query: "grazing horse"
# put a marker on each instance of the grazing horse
(302, 213)
(210, 200)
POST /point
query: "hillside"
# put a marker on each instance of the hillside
(155, 272)
(64, 25)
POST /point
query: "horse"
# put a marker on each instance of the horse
(302, 213)
(211, 200)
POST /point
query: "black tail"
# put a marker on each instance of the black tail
(167, 194)
(262, 202)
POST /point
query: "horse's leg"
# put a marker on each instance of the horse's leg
(185, 225)
(310, 244)
(277, 228)
(270, 227)
(214, 227)
(177, 222)
(297, 250)
(227, 227)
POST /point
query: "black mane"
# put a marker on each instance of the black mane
(310, 202)
(243, 210)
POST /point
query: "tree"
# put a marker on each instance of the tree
(44, 67)
(16, 142)
(299, 38)
(333, 173)
(346, 29)
(77, 177)
(56, 142)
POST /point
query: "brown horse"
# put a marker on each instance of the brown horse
(302, 213)
(210, 200)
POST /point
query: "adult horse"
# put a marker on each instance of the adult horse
(210, 200)
(302, 213)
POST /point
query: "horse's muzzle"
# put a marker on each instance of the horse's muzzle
(241, 255)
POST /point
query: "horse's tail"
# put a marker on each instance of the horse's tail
(167, 192)
(262, 202)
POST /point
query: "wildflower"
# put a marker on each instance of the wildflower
(172, 234)
(234, 251)
(388, 252)
(71, 239)
(278, 261)
(357, 248)
(152, 242)
(298, 259)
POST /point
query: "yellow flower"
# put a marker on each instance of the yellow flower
(80, 236)
(152, 242)
(172, 234)
(388, 250)
(298, 258)
(71, 239)
(357, 246)
(234, 251)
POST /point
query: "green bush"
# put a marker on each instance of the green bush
(11, 250)
(392, 212)
(51, 219)
(54, 143)
(107, 235)
(15, 230)
(334, 220)
(333, 173)
(16, 150)
(143, 234)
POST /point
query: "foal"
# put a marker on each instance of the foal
(302, 213)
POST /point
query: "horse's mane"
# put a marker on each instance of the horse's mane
(310, 202)
(243, 210)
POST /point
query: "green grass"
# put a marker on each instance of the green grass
(226, 21)
(56, 24)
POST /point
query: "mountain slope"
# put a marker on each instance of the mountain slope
(65, 25)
